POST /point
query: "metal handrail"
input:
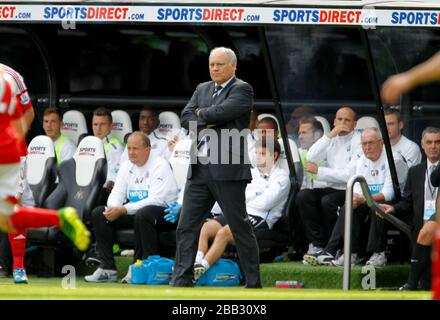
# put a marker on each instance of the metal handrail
(348, 215)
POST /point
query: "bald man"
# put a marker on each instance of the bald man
(318, 207)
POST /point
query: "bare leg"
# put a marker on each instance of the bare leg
(208, 232)
(221, 240)
(426, 234)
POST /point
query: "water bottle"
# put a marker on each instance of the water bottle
(289, 284)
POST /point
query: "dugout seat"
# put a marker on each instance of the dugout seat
(169, 124)
(295, 156)
(74, 126)
(80, 182)
(366, 122)
(180, 161)
(122, 125)
(40, 168)
(268, 115)
(324, 123)
(81, 179)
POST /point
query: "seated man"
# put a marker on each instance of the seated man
(265, 199)
(318, 207)
(52, 123)
(144, 187)
(310, 131)
(269, 127)
(102, 127)
(292, 126)
(408, 149)
(374, 167)
(149, 125)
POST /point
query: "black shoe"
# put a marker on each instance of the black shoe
(181, 283)
(3, 272)
(406, 287)
(254, 286)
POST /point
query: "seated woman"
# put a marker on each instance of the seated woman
(265, 199)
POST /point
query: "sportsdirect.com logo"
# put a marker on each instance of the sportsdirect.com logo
(317, 16)
(415, 18)
(204, 14)
(85, 13)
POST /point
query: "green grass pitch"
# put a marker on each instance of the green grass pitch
(51, 289)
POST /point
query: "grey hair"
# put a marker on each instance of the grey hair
(373, 129)
(145, 139)
(430, 130)
(232, 58)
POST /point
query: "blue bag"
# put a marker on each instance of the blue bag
(154, 270)
(223, 273)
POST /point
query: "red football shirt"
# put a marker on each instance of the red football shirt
(9, 147)
(23, 100)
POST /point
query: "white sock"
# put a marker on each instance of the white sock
(205, 264)
(199, 257)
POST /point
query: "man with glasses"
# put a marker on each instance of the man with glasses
(417, 206)
(373, 165)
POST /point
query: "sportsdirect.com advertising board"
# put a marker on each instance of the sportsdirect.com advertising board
(368, 16)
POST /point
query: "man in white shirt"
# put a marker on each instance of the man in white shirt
(266, 196)
(102, 127)
(373, 165)
(143, 189)
(149, 125)
(318, 207)
(408, 149)
(269, 127)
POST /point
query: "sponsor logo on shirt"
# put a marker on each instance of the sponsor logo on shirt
(375, 188)
(137, 195)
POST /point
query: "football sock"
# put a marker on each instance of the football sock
(18, 246)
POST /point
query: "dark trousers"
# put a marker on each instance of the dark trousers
(105, 235)
(146, 222)
(201, 192)
(376, 236)
(318, 212)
